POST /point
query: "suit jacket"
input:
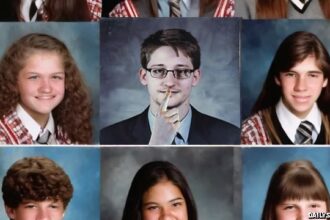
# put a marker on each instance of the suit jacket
(146, 8)
(204, 129)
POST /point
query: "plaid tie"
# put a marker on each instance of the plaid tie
(33, 9)
(43, 138)
(174, 8)
(304, 133)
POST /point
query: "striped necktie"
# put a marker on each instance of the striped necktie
(33, 9)
(304, 133)
(43, 137)
(174, 8)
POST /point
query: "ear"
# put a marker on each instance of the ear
(143, 76)
(277, 81)
(196, 77)
(325, 83)
(11, 213)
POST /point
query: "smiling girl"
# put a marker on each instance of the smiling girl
(43, 99)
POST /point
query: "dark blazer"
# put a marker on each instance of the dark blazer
(204, 130)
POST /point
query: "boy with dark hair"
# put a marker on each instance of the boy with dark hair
(170, 61)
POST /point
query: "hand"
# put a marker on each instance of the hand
(166, 125)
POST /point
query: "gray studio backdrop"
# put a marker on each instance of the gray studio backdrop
(123, 96)
(82, 39)
(260, 40)
(213, 175)
(82, 166)
(259, 165)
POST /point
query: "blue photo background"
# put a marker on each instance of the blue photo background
(260, 40)
(123, 96)
(81, 164)
(82, 40)
(259, 165)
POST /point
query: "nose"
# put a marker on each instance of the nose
(45, 85)
(42, 214)
(170, 80)
(303, 214)
(300, 83)
(166, 214)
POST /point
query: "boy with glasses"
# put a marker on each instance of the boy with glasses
(170, 62)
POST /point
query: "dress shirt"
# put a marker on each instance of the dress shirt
(25, 9)
(34, 128)
(185, 7)
(290, 123)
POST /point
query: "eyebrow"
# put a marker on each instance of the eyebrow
(310, 71)
(172, 200)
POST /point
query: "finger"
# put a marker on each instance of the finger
(176, 125)
(163, 107)
(173, 119)
(170, 113)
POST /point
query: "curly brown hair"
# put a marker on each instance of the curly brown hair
(73, 114)
(36, 179)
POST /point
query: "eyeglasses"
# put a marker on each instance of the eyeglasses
(161, 73)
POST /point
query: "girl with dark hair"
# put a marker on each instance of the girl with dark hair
(279, 9)
(51, 10)
(163, 8)
(293, 106)
(159, 191)
(296, 189)
(43, 99)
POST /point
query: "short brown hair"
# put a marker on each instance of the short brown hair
(37, 179)
(294, 180)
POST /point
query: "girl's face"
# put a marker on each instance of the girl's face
(41, 84)
(164, 201)
(299, 209)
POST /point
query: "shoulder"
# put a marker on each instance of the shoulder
(253, 130)
(95, 7)
(214, 130)
(125, 8)
(121, 132)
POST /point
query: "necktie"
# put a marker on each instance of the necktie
(178, 139)
(304, 133)
(174, 8)
(43, 137)
(33, 9)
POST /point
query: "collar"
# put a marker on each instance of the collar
(300, 4)
(31, 125)
(289, 122)
(184, 127)
(25, 9)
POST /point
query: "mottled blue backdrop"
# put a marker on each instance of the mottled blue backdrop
(122, 94)
(213, 174)
(81, 38)
(260, 40)
(259, 165)
(81, 164)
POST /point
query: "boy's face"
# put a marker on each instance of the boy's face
(166, 58)
(32, 210)
(41, 84)
(301, 86)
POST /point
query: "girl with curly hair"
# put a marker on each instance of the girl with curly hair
(43, 99)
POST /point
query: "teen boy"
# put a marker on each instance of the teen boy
(170, 61)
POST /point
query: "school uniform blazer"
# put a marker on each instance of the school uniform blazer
(204, 130)
(143, 8)
(12, 131)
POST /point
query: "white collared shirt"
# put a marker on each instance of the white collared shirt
(299, 4)
(25, 9)
(33, 127)
(290, 122)
(184, 124)
(185, 6)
